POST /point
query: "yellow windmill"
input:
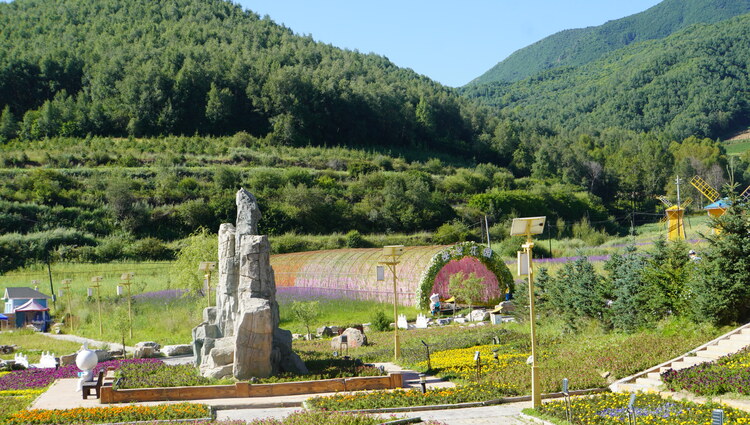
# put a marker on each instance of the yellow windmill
(674, 215)
(717, 207)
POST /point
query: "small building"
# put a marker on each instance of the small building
(26, 305)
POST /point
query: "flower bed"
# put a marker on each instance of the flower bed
(11, 401)
(728, 374)
(414, 397)
(110, 414)
(159, 375)
(40, 378)
(460, 362)
(611, 409)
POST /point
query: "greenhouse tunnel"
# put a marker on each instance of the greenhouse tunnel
(422, 270)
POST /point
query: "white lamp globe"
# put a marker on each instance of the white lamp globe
(86, 359)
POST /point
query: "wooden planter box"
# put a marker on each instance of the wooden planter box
(244, 389)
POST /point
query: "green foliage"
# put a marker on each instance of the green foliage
(466, 289)
(579, 292)
(453, 232)
(306, 312)
(718, 287)
(380, 322)
(200, 246)
(630, 295)
(580, 46)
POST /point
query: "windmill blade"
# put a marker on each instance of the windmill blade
(665, 200)
(706, 189)
(745, 194)
(686, 202)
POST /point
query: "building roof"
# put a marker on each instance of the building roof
(720, 204)
(24, 293)
(31, 305)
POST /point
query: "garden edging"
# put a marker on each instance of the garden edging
(244, 389)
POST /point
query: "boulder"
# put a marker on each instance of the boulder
(151, 344)
(354, 338)
(68, 359)
(221, 354)
(287, 359)
(477, 316)
(103, 355)
(144, 352)
(325, 332)
(217, 372)
(177, 350)
(7, 349)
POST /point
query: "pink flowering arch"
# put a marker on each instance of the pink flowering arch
(462, 250)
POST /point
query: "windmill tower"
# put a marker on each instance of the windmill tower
(717, 207)
(675, 215)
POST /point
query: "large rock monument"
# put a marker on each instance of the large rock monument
(241, 336)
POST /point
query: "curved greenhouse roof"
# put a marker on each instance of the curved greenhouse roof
(351, 273)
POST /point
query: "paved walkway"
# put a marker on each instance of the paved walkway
(91, 342)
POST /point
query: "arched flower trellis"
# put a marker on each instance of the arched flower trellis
(485, 255)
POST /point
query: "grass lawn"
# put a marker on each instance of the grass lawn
(32, 344)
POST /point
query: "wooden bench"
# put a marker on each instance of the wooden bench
(95, 385)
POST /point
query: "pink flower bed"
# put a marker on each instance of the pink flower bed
(40, 378)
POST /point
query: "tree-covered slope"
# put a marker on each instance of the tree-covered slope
(143, 67)
(694, 82)
(580, 46)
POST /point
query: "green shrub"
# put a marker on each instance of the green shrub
(380, 322)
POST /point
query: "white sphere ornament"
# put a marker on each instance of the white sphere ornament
(86, 359)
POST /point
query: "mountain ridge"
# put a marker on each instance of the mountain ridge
(575, 47)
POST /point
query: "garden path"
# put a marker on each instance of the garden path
(91, 342)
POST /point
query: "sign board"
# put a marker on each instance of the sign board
(476, 356)
(565, 386)
(632, 401)
(381, 273)
(523, 263)
(717, 417)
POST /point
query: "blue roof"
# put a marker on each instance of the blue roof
(3, 317)
(721, 203)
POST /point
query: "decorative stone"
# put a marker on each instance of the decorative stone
(217, 372)
(254, 340)
(7, 349)
(506, 307)
(151, 344)
(325, 332)
(144, 352)
(177, 350)
(68, 359)
(103, 355)
(354, 338)
(477, 316)
(246, 310)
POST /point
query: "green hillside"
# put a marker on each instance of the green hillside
(185, 67)
(694, 82)
(580, 46)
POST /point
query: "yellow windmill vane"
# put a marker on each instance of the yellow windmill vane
(675, 215)
(717, 207)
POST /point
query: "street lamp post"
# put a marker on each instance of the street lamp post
(392, 254)
(97, 285)
(208, 267)
(126, 277)
(527, 227)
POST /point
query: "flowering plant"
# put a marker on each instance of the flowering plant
(489, 258)
(110, 414)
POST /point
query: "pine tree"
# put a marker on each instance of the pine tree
(8, 125)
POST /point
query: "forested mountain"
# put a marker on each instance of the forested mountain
(580, 46)
(693, 83)
(146, 68)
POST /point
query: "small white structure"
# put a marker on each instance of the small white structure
(86, 360)
(402, 323)
(22, 360)
(422, 321)
(47, 361)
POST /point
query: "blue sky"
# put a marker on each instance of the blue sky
(449, 41)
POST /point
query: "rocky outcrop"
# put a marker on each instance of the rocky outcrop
(246, 316)
(177, 350)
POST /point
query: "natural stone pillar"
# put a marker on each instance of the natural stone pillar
(226, 290)
(254, 340)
